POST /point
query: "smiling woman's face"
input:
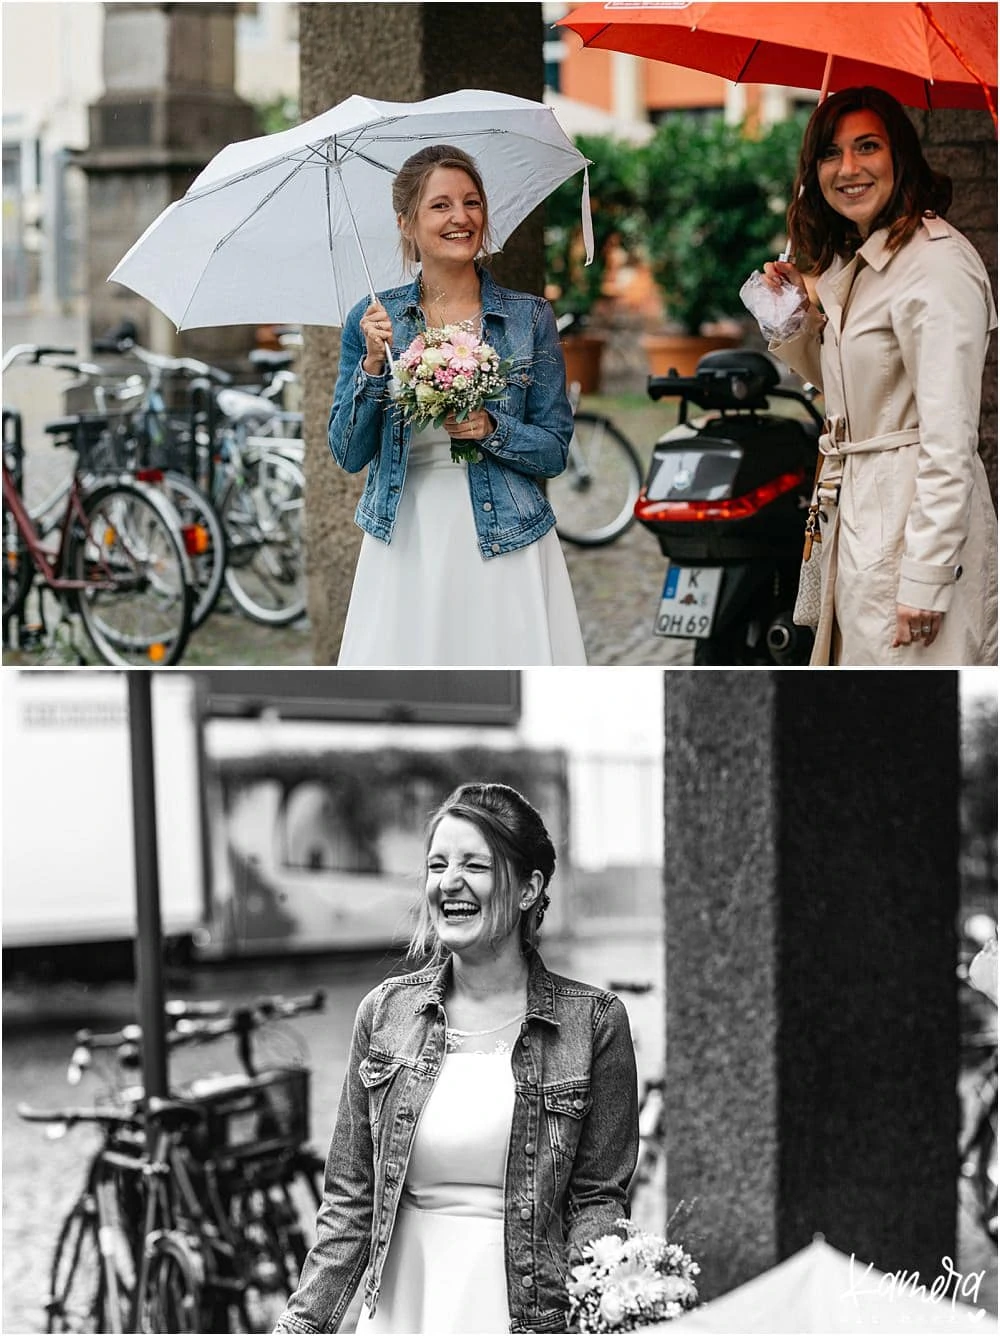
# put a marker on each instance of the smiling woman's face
(855, 169)
(461, 885)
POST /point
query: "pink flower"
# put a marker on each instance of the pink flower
(461, 352)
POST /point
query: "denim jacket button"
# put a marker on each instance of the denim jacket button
(487, 505)
(525, 1041)
(527, 1281)
(578, 1104)
(529, 1148)
(494, 547)
(525, 1212)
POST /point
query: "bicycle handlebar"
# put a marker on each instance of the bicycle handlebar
(35, 351)
(120, 1117)
(159, 361)
(194, 1023)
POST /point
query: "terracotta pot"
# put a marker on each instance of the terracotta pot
(583, 361)
(681, 352)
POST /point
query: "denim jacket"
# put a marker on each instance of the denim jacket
(534, 419)
(573, 1143)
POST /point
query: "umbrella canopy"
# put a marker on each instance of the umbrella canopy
(271, 229)
(926, 55)
(820, 1289)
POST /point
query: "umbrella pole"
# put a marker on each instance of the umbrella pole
(825, 85)
(786, 254)
(361, 250)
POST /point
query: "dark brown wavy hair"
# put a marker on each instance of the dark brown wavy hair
(519, 845)
(817, 232)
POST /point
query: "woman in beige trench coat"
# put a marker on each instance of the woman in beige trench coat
(907, 522)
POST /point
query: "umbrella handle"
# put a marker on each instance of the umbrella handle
(361, 252)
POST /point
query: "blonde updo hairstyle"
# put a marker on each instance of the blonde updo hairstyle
(409, 185)
(519, 845)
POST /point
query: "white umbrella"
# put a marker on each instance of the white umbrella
(296, 227)
(820, 1289)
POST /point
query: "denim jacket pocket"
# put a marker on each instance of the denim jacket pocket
(376, 1076)
(518, 382)
(566, 1106)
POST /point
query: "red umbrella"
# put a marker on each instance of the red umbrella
(926, 55)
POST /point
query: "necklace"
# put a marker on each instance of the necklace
(454, 1037)
(471, 323)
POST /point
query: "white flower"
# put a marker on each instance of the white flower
(634, 1280)
(433, 358)
(676, 1289)
(608, 1250)
(583, 1281)
(425, 393)
(460, 382)
(612, 1307)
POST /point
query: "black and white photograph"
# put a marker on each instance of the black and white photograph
(360, 999)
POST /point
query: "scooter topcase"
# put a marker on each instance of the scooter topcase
(729, 486)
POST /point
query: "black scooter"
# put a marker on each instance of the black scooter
(727, 495)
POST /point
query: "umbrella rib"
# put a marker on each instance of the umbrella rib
(743, 68)
(232, 232)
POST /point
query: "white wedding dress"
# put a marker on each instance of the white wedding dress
(429, 598)
(445, 1270)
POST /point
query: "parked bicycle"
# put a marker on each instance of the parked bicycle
(119, 561)
(595, 495)
(135, 443)
(244, 452)
(187, 1221)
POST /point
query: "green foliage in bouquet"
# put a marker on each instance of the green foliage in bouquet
(713, 199)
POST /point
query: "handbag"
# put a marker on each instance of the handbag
(808, 596)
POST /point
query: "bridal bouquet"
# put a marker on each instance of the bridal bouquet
(449, 370)
(628, 1283)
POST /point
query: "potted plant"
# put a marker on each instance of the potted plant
(713, 200)
(574, 286)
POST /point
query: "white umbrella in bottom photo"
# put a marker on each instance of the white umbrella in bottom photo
(820, 1289)
(296, 227)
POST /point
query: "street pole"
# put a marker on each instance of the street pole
(148, 937)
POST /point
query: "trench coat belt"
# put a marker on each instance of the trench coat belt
(834, 445)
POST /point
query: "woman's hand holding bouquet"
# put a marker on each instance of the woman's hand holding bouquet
(445, 376)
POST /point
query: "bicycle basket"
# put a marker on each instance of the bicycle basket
(264, 1115)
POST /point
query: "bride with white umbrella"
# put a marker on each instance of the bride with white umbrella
(328, 223)
(294, 227)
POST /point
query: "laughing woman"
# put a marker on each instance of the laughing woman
(486, 1101)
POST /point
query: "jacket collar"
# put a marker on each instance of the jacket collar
(874, 250)
(489, 292)
(541, 991)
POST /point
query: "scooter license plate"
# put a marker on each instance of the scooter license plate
(687, 605)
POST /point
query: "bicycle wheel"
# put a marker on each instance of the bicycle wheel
(18, 568)
(204, 541)
(136, 607)
(171, 1297)
(261, 511)
(594, 495)
(76, 1286)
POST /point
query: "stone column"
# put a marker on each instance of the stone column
(811, 891)
(169, 105)
(400, 52)
(964, 144)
